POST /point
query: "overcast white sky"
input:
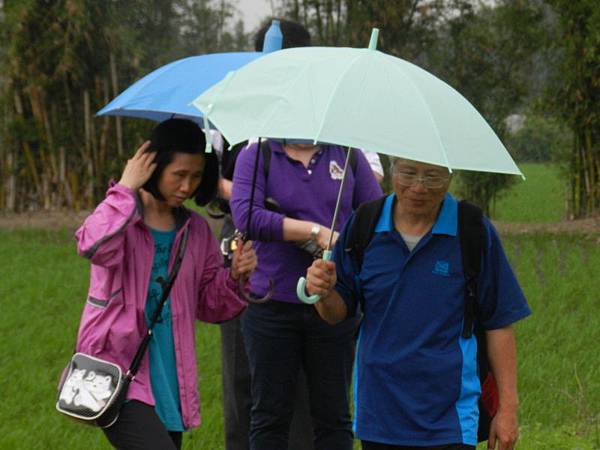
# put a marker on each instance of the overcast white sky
(253, 11)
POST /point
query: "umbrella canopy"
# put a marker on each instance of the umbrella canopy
(359, 98)
(167, 91)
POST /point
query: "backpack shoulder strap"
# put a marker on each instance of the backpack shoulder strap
(229, 158)
(353, 160)
(362, 228)
(265, 149)
(471, 234)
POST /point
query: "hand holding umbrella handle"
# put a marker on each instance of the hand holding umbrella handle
(242, 279)
(301, 286)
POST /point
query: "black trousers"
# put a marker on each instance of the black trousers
(237, 400)
(139, 428)
(281, 339)
(366, 445)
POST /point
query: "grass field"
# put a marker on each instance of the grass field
(540, 198)
(44, 285)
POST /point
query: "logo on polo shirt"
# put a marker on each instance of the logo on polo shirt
(442, 268)
(335, 170)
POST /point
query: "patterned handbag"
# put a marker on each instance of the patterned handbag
(93, 390)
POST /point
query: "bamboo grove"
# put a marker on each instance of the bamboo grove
(61, 62)
(578, 100)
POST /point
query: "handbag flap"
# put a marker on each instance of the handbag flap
(89, 388)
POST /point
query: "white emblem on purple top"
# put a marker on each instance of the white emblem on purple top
(335, 170)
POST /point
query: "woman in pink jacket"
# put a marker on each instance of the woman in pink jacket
(131, 240)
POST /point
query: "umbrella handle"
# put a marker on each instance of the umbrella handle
(243, 279)
(301, 286)
(249, 298)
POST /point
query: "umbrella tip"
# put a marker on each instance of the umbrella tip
(273, 38)
(374, 38)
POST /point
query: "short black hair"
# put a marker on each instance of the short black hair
(182, 136)
(294, 34)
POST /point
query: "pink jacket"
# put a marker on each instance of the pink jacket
(120, 247)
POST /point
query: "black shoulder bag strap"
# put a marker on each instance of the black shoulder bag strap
(137, 359)
(471, 236)
(362, 228)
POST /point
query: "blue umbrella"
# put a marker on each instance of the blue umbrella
(167, 91)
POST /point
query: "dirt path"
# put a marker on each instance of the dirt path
(70, 219)
(55, 220)
(587, 226)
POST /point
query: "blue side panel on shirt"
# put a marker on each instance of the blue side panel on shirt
(355, 383)
(466, 406)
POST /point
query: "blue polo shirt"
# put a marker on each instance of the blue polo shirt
(416, 380)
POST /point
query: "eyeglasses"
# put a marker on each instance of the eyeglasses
(407, 179)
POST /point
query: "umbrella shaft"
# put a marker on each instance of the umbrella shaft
(339, 199)
(253, 189)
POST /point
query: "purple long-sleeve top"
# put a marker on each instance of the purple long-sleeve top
(303, 193)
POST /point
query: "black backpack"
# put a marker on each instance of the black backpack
(472, 236)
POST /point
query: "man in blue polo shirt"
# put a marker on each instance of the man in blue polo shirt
(416, 381)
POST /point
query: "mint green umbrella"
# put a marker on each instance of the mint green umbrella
(359, 98)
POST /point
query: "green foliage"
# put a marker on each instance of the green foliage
(407, 27)
(575, 94)
(541, 139)
(63, 60)
(486, 53)
(482, 188)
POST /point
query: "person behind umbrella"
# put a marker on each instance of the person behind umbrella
(416, 378)
(283, 335)
(236, 373)
(131, 239)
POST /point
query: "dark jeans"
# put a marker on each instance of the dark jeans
(139, 428)
(280, 339)
(237, 400)
(366, 445)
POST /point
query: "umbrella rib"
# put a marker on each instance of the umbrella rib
(167, 69)
(335, 89)
(435, 127)
(275, 110)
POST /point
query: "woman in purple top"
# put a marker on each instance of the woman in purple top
(283, 335)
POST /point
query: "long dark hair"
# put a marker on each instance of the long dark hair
(182, 136)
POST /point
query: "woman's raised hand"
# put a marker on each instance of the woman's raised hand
(139, 168)
(244, 260)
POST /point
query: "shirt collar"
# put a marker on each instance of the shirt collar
(275, 145)
(446, 222)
